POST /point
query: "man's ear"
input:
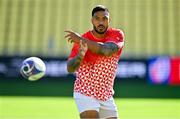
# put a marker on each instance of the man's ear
(92, 20)
(109, 21)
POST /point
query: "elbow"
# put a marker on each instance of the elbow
(72, 66)
(108, 54)
(70, 70)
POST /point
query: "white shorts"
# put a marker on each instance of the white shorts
(105, 108)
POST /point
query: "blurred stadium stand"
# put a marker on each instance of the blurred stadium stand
(36, 27)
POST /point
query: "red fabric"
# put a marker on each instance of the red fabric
(95, 76)
(175, 71)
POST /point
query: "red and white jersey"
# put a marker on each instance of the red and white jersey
(96, 74)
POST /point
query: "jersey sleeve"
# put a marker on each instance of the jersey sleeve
(117, 37)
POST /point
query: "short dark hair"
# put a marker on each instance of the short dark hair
(99, 8)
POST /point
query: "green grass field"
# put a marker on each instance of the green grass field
(14, 107)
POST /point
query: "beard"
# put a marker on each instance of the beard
(100, 29)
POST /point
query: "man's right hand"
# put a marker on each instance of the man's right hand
(83, 48)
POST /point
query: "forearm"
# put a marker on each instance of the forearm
(74, 63)
(106, 49)
(92, 46)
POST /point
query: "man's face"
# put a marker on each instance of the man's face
(100, 21)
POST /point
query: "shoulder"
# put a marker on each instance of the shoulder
(116, 34)
(115, 31)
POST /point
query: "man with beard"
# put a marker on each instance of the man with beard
(94, 58)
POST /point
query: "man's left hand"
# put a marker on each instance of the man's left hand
(73, 36)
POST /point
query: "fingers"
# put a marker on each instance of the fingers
(68, 35)
(72, 36)
(83, 44)
(69, 40)
(68, 31)
(80, 42)
(83, 47)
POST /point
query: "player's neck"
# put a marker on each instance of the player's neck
(97, 35)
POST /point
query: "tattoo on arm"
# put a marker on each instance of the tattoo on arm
(108, 49)
(73, 64)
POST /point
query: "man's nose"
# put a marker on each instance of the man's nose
(101, 23)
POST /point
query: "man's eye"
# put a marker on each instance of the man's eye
(97, 18)
(105, 18)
